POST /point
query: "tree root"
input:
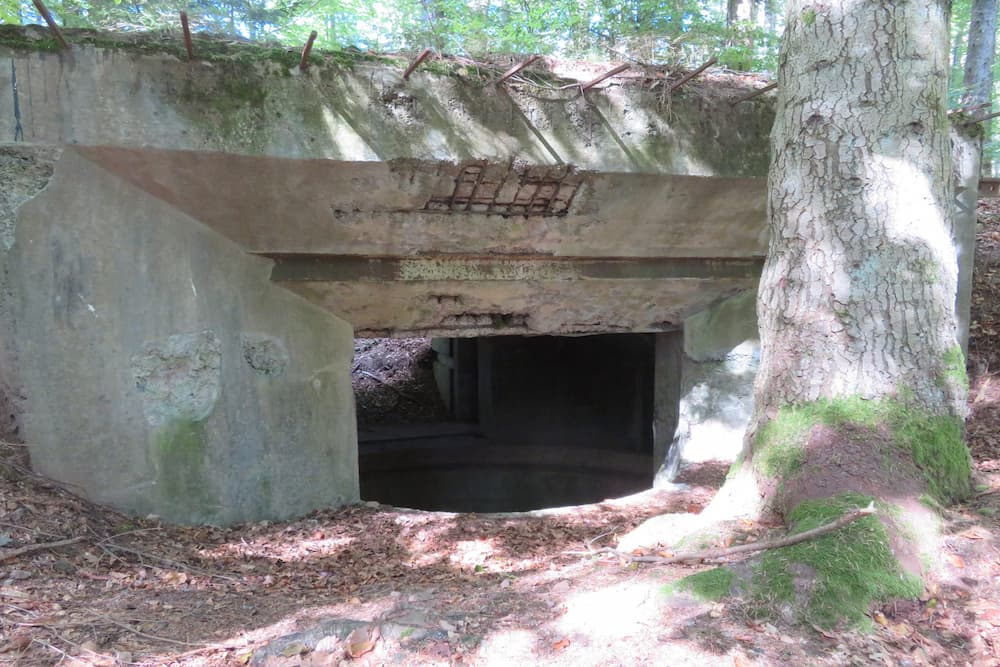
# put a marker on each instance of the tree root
(713, 554)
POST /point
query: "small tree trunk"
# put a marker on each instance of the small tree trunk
(978, 79)
(857, 296)
(980, 52)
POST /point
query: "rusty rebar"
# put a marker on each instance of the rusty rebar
(690, 75)
(516, 68)
(187, 35)
(416, 63)
(52, 24)
(755, 93)
(606, 75)
(306, 50)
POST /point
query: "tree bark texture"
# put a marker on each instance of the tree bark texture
(857, 297)
(978, 73)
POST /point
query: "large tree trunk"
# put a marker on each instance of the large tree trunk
(861, 386)
(860, 395)
(856, 302)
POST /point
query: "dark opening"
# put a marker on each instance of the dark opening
(505, 423)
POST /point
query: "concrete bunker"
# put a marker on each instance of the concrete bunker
(240, 242)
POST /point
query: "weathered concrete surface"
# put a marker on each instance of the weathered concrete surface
(361, 109)
(461, 308)
(399, 248)
(162, 371)
(718, 366)
(967, 150)
(316, 207)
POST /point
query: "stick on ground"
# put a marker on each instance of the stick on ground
(8, 554)
(788, 540)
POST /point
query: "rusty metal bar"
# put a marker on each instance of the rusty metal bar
(187, 35)
(52, 24)
(516, 68)
(755, 93)
(306, 50)
(416, 63)
(690, 75)
(607, 75)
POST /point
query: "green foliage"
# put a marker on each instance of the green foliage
(841, 574)
(9, 11)
(674, 32)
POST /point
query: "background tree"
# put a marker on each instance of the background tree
(979, 62)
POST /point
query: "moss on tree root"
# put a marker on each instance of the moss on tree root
(935, 442)
(828, 580)
(850, 569)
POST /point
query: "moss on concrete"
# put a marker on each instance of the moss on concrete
(179, 451)
(848, 570)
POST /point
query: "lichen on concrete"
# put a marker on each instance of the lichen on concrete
(179, 377)
(265, 354)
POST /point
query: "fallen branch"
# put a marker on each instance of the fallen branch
(788, 540)
(104, 544)
(8, 554)
(146, 635)
(713, 554)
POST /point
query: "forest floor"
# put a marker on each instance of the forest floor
(372, 585)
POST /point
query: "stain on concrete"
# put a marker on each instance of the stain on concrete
(179, 377)
(180, 461)
(265, 354)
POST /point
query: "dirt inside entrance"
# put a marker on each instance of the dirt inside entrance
(373, 585)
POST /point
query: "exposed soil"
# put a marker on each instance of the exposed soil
(393, 381)
(435, 588)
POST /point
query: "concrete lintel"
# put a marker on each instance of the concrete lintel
(285, 206)
(468, 308)
(325, 268)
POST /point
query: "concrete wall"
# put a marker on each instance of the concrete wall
(127, 90)
(162, 371)
(717, 367)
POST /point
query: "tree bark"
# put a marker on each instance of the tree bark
(978, 73)
(979, 55)
(857, 296)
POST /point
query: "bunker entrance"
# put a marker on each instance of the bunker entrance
(504, 423)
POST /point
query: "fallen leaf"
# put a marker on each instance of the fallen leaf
(880, 618)
(362, 640)
(955, 561)
(561, 644)
(901, 630)
(294, 649)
